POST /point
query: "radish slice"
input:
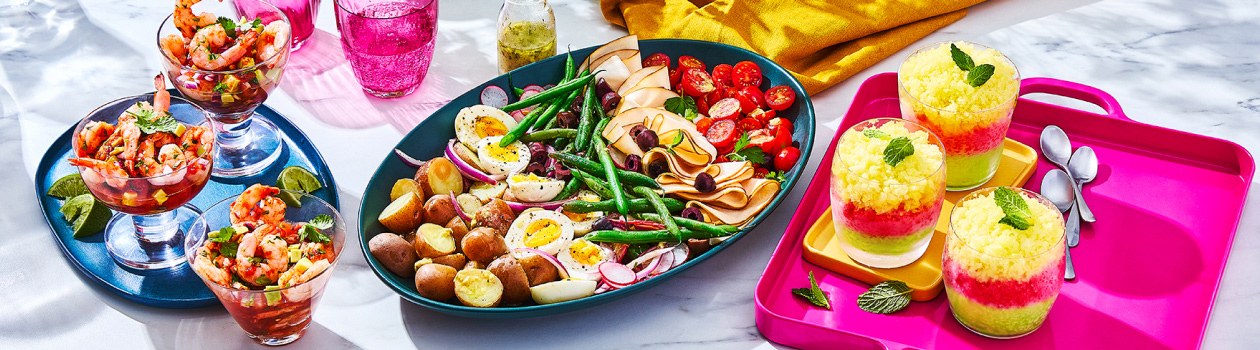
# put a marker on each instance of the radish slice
(518, 206)
(469, 171)
(616, 273)
(681, 253)
(649, 255)
(527, 89)
(410, 161)
(494, 96)
(459, 211)
(603, 287)
(663, 263)
(564, 273)
(518, 115)
(647, 271)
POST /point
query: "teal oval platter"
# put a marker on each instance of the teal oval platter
(429, 138)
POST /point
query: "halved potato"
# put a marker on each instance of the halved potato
(482, 245)
(478, 288)
(439, 209)
(458, 230)
(403, 214)
(456, 260)
(402, 186)
(496, 215)
(433, 241)
(485, 192)
(439, 176)
(538, 269)
(468, 202)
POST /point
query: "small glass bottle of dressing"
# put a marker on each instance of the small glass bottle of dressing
(527, 33)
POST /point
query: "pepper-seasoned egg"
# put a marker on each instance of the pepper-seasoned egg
(533, 188)
(544, 230)
(582, 258)
(477, 122)
(502, 160)
(582, 222)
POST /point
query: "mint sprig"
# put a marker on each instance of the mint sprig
(885, 298)
(898, 149)
(813, 294)
(962, 59)
(976, 75)
(1015, 207)
(875, 134)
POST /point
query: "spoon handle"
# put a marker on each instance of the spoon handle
(1086, 214)
(1073, 226)
(1070, 272)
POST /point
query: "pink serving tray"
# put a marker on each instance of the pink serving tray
(1167, 203)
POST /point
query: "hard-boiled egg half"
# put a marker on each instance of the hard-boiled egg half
(502, 160)
(539, 229)
(582, 222)
(582, 258)
(532, 188)
(478, 122)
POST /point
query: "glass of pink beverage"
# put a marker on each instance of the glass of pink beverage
(301, 15)
(389, 43)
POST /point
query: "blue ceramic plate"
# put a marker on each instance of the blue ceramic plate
(179, 287)
(428, 139)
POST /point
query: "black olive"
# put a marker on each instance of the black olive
(646, 140)
(602, 88)
(637, 129)
(692, 213)
(576, 106)
(560, 172)
(610, 101)
(634, 163)
(657, 168)
(604, 223)
(567, 120)
(537, 153)
(705, 183)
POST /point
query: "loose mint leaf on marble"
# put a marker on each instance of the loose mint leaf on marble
(980, 75)
(885, 298)
(898, 149)
(1015, 207)
(962, 59)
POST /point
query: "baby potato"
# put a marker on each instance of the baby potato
(439, 209)
(458, 230)
(439, 176)
(482, 245)
(510, 273)
(485, 192)
(538, 270)
(456, 260)
(402, 186)
(496, 214)
(478, 288)
(394, 252)
(403, 214)
(433, 241)
(472, 264)
(436, 282)
(468, 203)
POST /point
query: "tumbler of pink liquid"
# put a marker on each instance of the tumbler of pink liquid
(301, 15)
(389, 43)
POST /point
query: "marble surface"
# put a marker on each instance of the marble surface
(1184, 65)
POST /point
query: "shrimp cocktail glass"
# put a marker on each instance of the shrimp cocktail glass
(145, 157)
(887, 189)
(267, 262)
(227, 61)
(1003, 261)
(965, 93)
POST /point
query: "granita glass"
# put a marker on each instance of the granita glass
(277, 316)
(1002, 281)
(885, 215)
(971, 121)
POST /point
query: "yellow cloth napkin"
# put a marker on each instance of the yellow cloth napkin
(821, 42)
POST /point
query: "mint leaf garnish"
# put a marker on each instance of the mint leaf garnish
(885, 298)
(898, 149)
(962, 59)
(681, 106)
(980, 75)
(813, 294)
(875, 134)
(1015, 207)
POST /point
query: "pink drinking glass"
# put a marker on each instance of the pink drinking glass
(301, 15)
(389, 43)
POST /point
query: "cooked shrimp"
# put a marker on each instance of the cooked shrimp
(316, 251)
(273, 38)
(175, 47)
(171, 157)
(293, 276)
(257, 203)
(211, 39)
(161, 98)
(151, 143)
(196, 141)
(124, 142)
(115, 175)
(204, 265)
(186, 21)
(274, 256)
(92, 136)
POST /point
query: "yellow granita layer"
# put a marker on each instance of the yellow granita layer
(932, 77)
(863, 178)
(991, 250)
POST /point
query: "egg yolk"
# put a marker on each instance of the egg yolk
(506, 154)
(576, 217)
(527, 178)
(486, 126)
(540, 232)
(586, 253)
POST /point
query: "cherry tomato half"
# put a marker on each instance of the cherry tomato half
(722, 134)
(762, 115)
(746, 74)
(749, 99)
(725, 109)
(779, 123)
(760, 173)
(787, 158)
(748, 124)
(713, 97)
(656, 59)
(782, 138)
(697, 83)
(703, 124)
(780, 97)
(722, 75)
(675, 77)
(765, 140)
(691, 62)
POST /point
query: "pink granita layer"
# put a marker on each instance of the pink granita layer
(1005, 293)
(898, 222)
(969, 142)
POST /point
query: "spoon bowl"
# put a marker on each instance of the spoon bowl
(1057, 187)
(1084, 167)
(1056, 146)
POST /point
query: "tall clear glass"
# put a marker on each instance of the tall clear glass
(301, 15)
(526, 33)
(999, 284)
(389, 43)
(971, 121)
(885, 215)
(148, 231)
(277, 316)
(247, 145)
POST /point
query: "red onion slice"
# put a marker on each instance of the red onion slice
(459, 210)
(519, 206)
(407, 159)
(464, 168)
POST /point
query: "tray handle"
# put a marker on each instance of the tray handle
(1074, 90)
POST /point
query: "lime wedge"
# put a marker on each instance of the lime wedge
(86, 215)
(296, 178)
(68, 186)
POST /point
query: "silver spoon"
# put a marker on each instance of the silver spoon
(1057, 187)
(1058, 149)
(1084, 167)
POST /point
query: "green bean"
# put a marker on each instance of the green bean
(547, 134)
(570, 188)
(585, 120)
(663, 212)
(695, 225)
(592, 183)
(638, 237)
(568, 67)
(560, 106)
(550, 94)
(630, 177)
(610, 173)
(523, 126)
(636, 206)
(597, 132)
